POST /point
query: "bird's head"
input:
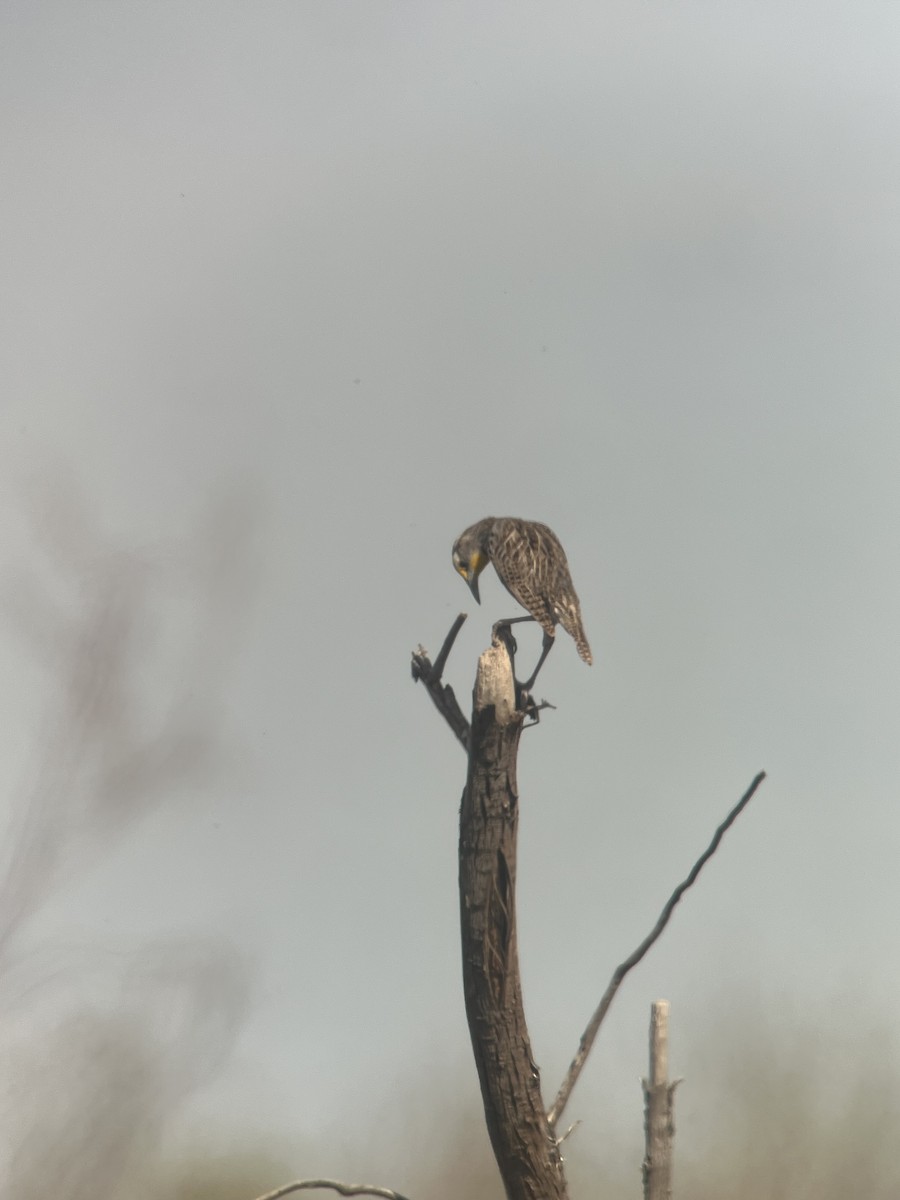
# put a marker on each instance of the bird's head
(469, 559)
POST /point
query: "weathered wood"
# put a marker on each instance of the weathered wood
(525, 1147)
(659, 1109)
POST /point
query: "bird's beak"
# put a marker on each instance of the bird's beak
(477, 563)
(470, 572)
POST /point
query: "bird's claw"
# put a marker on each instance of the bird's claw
(502, 632)
(525, 704)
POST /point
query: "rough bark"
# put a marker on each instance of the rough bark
(524, 1144)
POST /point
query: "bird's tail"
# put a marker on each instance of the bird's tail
(571, 623)
(569, 616)
(581, 645)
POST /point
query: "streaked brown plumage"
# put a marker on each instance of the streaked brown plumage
(532, 566)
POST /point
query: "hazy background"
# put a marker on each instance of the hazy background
(292, 292)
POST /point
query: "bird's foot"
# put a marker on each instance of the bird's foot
(502, 632)
(525, 704)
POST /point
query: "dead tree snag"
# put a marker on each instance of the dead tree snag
(659, 1109)
(522, 1133)
(525, 1147)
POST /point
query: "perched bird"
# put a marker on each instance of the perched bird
(532, 567)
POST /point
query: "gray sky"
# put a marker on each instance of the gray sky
(301, 290)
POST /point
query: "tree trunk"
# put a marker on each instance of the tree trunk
(524, 1145)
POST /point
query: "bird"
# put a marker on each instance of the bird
(531, 564)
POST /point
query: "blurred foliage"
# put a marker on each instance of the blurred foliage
(227, 1177)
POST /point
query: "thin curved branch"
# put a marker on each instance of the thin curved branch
(441, 661)
(344, 1189)
(587, 1038)
(424, 671)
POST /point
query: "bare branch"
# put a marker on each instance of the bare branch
(424, 671)
(441, 661)
(587, 1038)
(344, 1189)
(568, 1133)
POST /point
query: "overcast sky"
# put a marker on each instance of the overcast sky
(292, 293)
